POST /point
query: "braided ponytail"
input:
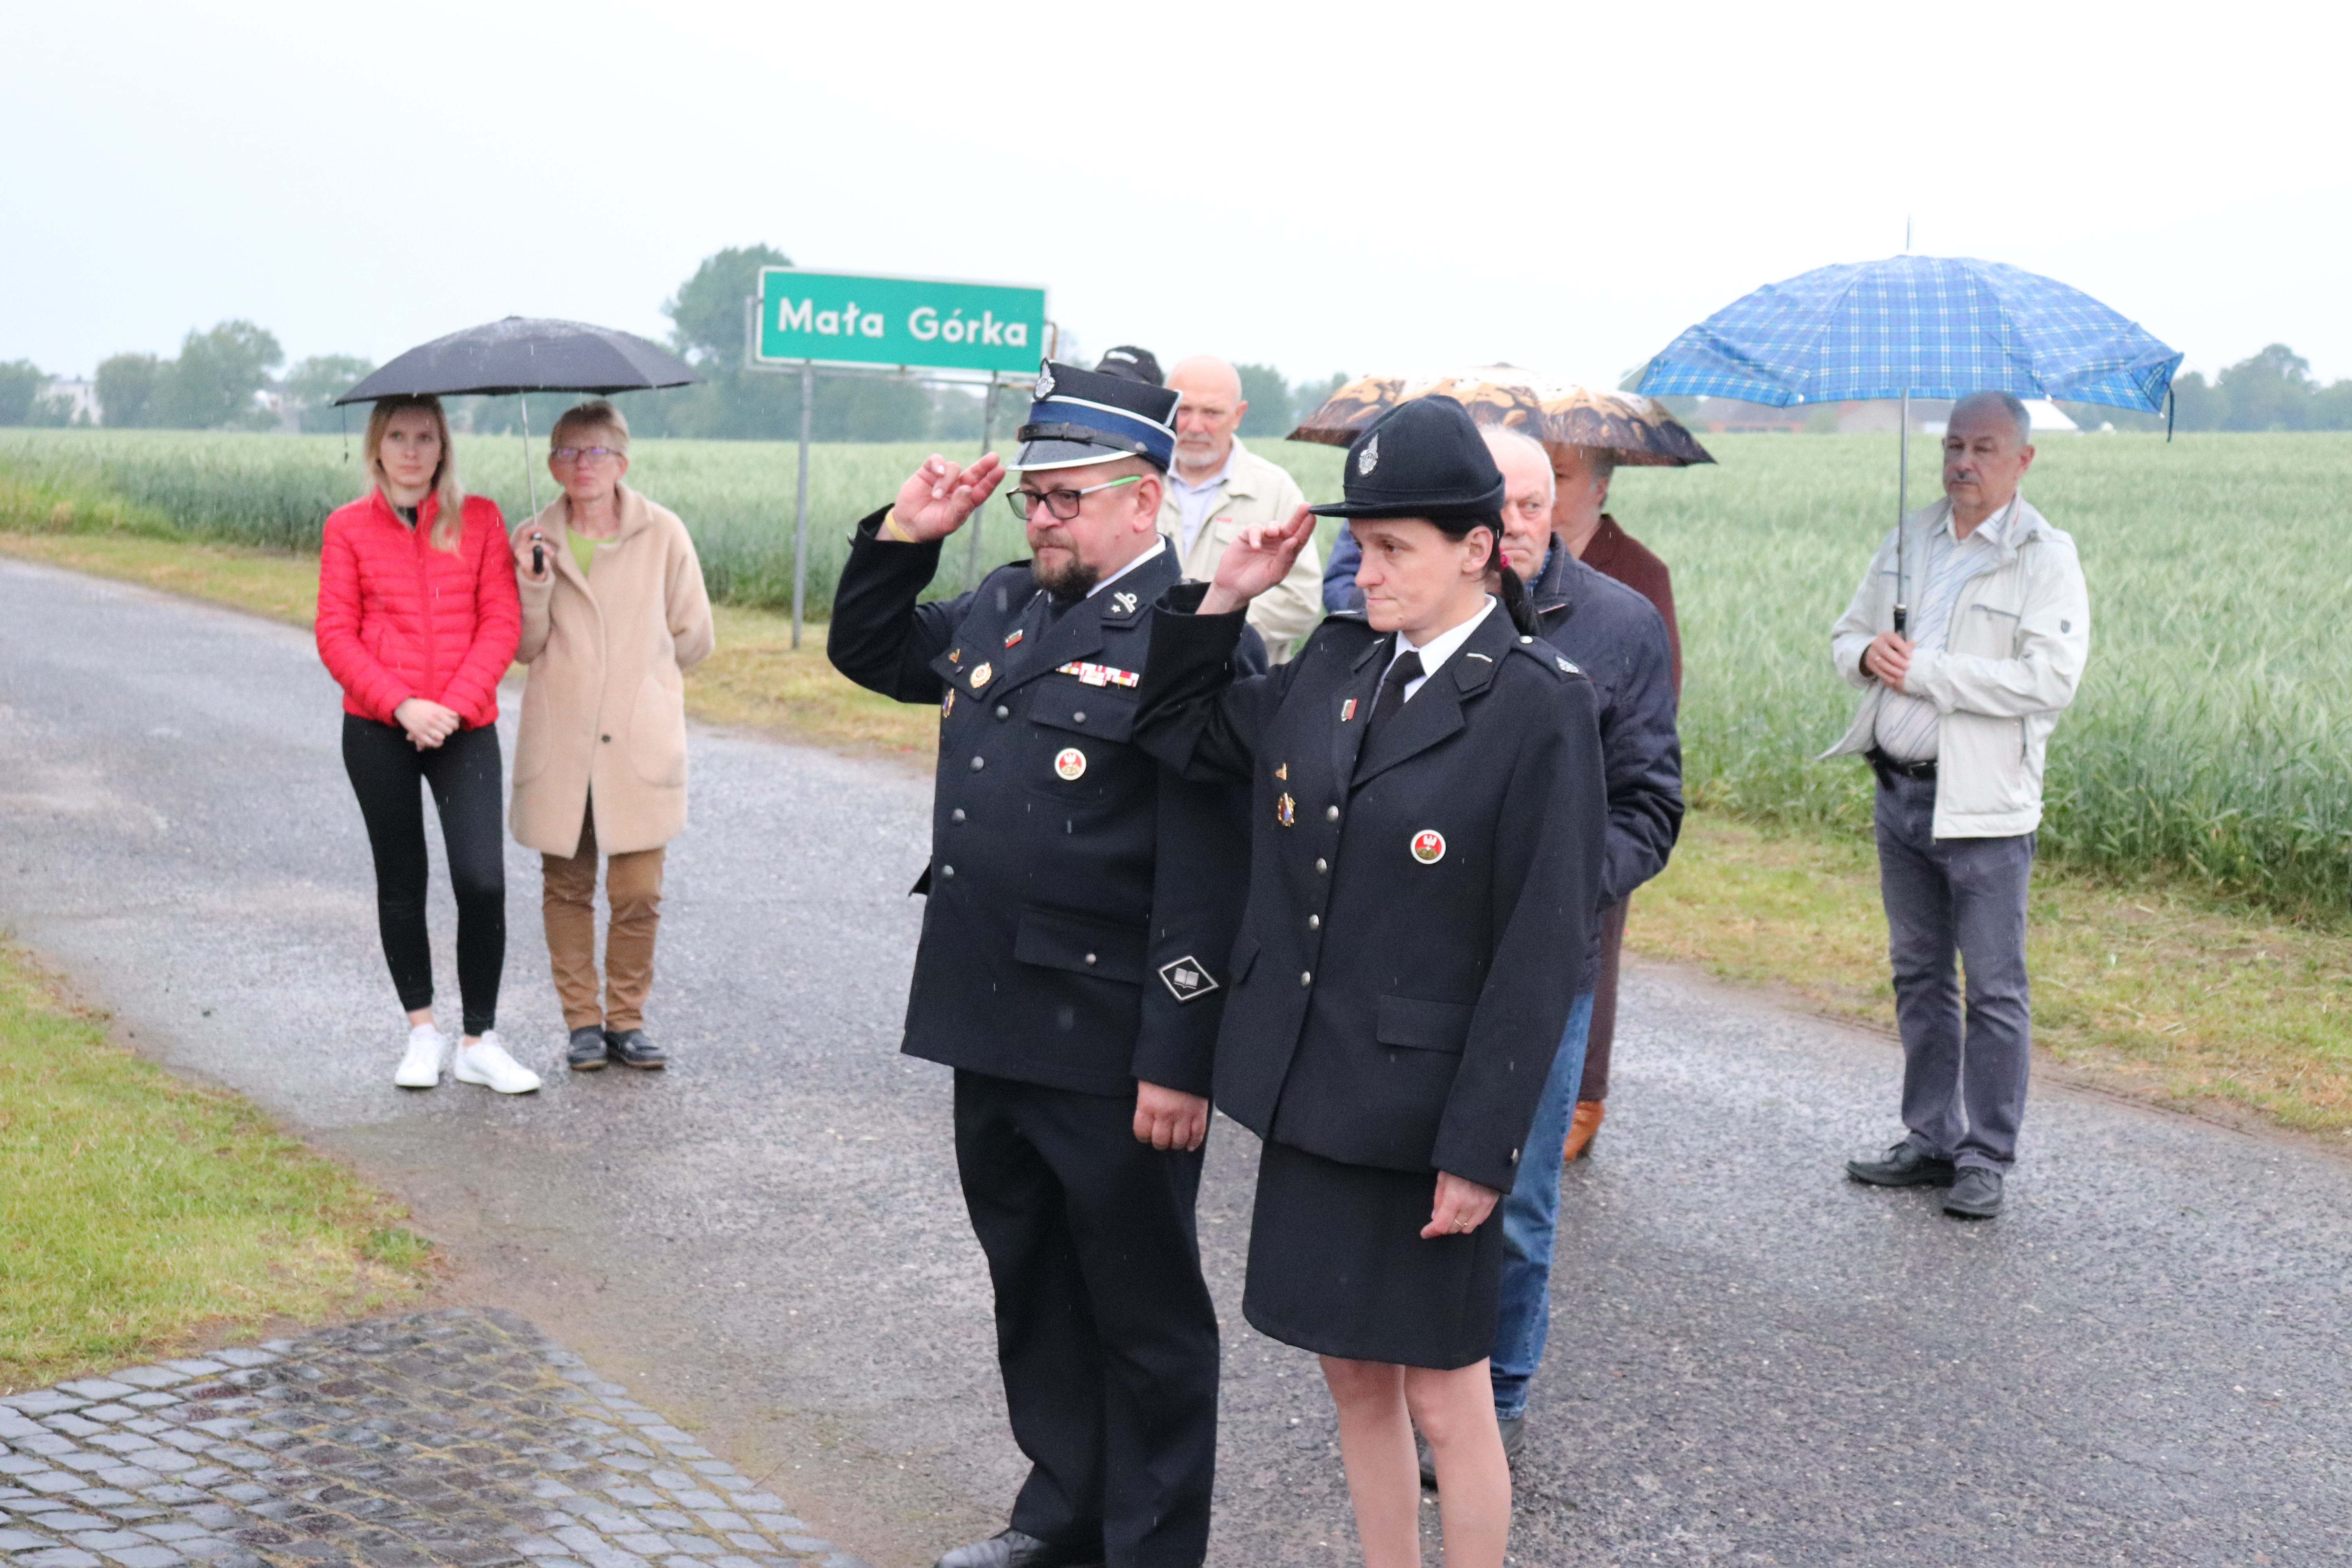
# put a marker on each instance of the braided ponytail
(1510, 590)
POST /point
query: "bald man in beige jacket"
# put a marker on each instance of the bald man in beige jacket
(1219, 487)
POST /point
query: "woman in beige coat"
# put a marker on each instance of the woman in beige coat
(613, 613)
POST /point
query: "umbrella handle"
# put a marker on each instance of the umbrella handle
(1902, 620)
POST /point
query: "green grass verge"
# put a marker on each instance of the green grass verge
(139, 1215)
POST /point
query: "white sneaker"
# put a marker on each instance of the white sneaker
(487, 1062)
(421, 1067)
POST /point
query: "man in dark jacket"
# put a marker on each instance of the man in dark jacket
(1082, 901)
(1584, 531)
(1618, 639)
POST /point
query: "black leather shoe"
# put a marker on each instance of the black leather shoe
(1976, 1195)
(586, 1053)
(1010, 1548)
(1515, 1437)
(1903, 1166)
(634, 1048)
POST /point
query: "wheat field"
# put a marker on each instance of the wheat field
(2212, 738)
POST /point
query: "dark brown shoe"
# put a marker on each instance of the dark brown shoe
(1582, 1129)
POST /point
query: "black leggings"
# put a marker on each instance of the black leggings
(464, 771)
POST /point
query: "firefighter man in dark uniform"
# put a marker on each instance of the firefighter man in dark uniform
(1082, 902)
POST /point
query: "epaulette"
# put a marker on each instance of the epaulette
(1561, 666)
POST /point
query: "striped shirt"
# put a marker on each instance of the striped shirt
(1906, 725)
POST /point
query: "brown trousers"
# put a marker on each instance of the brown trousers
(1604, 1004)
(633, 887)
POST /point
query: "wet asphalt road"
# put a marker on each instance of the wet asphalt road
(2143, 1362)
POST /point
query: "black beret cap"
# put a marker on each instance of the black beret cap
(1425, 457)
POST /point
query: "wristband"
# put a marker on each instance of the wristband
(892, 529)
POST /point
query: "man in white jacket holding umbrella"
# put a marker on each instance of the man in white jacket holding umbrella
(1955, 718)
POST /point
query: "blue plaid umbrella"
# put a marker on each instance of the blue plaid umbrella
(1916, 326)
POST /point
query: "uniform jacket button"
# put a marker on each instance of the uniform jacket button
(1080, 717)
(1306, 977)
(1322, 867)
(1002, 711)
(1330, 814)
(957, 815)
(1090, 958)
(1314, 922)
(978, 764)
(947, 870)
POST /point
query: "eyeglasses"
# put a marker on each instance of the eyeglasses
(1063, 504)
(584, 454)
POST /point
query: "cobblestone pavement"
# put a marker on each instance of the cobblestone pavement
(459, 1437)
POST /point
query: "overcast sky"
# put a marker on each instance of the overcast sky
(1337, 186)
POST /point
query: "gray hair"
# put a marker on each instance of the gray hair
(2007, 402)
(1513, 433)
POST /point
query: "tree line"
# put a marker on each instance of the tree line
(218, 379)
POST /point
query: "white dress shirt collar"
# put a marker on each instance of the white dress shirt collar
(1159, 544)
(1437, 650)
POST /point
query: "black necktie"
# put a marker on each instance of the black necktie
(1385, 707)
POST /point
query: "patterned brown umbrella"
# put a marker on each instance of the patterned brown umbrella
(1638, 430)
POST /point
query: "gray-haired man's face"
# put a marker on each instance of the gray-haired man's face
(1983, 459)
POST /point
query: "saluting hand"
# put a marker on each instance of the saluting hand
(1461, 1206)
(1168, 1118)
(940, 495)
(1260, 556)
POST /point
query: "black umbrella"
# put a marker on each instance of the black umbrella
(526, 354)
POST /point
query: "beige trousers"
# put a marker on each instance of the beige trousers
(633, 887)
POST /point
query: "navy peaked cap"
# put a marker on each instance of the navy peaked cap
(1425, 457)
(1087, 416)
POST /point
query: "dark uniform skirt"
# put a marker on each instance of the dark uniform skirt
(1337, 1264)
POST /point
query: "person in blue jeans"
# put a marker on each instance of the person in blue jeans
(1617, 636)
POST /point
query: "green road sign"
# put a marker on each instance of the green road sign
(847, 318)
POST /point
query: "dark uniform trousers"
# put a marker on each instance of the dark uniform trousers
(1105, 1332)
(1083, 899)
(1618, 637)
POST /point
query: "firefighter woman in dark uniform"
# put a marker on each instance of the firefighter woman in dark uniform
(1427, 807)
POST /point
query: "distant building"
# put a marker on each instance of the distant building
(1730, 416)
(2048, 418)
(82, 397)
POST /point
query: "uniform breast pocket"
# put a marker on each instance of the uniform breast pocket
(1078, 745)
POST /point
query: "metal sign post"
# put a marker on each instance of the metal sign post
(800, 521)
(987, 440)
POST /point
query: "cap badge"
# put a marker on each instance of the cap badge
(1366, 461)
(1071, 763)
(1124, 603)
(1429, 846)
(979, 674)
(1285, 811)
(1045, 381)
(1187, 979)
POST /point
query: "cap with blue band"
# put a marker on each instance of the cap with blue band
(1084, 416)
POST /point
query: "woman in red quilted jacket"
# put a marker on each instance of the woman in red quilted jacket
(417, 620)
